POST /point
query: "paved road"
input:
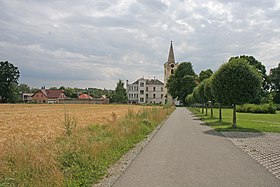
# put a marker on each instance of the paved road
(186, 153)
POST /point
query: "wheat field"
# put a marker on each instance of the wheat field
(43, 122)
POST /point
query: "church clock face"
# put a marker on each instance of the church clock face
(172, 65)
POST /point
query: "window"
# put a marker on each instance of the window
(161, 96)
(141, 99)
(141, 91)
(147, 95)
(141, 84)
(172, 71)
(154, 89)
(136, 95)
(154, 95)
(161, 89)
(147, 89)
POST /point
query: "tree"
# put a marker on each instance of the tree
(53, 88)
(24, 88)
(208, 94)
(182, 82)
(189, 99)
(9, 75)
(275, 83)
(261, 69)
(119, 95)
(201, 95)
(204, 74)
(236, 82)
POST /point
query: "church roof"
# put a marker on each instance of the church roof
(171, 58)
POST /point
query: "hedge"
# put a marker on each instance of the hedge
(252, 108)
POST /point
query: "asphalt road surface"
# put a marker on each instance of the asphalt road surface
(186, 153)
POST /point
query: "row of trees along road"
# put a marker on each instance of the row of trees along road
(241, 80)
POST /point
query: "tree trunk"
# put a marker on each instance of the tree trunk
(234, 116)
(211, 105)
(220, 112)
(206, 108)
(202, 108)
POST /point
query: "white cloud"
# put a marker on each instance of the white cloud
(95, 43)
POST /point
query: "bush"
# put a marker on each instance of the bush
(277, 106)
(252, 108)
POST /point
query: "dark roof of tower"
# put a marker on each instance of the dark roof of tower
(171, 58)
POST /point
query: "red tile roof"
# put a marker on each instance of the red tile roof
(85, 96)
(54, 94)
(51, 94)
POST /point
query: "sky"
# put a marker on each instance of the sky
(94, 43)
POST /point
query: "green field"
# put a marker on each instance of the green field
(245, 121)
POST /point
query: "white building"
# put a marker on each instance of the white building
(145, 91)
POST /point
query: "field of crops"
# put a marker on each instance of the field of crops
(69, 145)
(42, 122)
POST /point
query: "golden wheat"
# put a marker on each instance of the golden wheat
(35, 123)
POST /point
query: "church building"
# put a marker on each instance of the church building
(153, 90)
(169, 68)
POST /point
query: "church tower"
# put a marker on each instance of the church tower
(169, 69)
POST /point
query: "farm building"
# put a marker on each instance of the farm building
(48, 96)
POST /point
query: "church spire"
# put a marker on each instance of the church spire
(171, 59)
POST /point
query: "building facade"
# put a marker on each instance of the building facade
(48, 96)
(145, 91)
(169, 68)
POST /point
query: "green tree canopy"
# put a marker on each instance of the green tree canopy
(24, 88)
(275, 83)
(261, 69)
(201, 92)
(182, 82)
(252, 61)
(9, 75)
(236, 82)
(119, 95)
(204, 74)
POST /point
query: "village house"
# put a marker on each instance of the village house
(26, 97)
(48, 96)
(85, 96)
(145, 91)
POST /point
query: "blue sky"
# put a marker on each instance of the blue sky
(93, 43)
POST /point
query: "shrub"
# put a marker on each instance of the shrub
(277, 106)
(252, 108)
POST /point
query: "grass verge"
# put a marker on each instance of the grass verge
(81, 156)
(247, 122)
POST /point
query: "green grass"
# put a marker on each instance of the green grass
(246, 122)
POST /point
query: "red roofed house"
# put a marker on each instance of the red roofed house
(85, 96)
(48, 96)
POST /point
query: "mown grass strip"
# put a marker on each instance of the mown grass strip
(247, 122)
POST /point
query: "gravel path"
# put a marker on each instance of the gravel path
(263, 147)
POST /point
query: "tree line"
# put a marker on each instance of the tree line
(10, 89)
(241, 80)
